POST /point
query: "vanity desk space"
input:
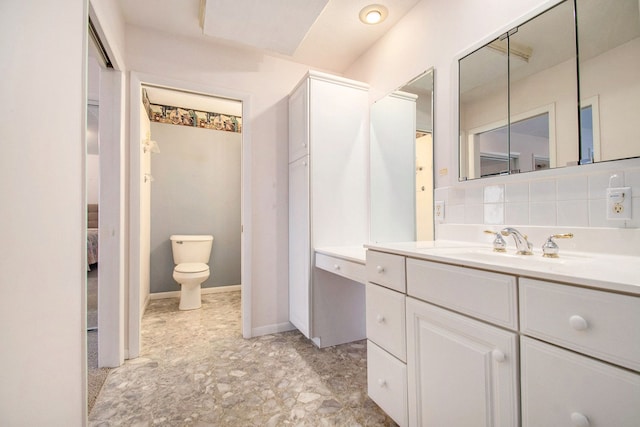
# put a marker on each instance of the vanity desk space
(346, 261)
(461, 335)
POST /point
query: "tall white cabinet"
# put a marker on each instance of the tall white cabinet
(328, 204)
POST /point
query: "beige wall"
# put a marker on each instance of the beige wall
(43, 260)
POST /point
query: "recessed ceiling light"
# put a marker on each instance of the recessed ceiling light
(373, 14)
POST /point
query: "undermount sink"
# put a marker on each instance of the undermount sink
(484, 254)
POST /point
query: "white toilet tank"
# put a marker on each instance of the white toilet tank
(191, 248)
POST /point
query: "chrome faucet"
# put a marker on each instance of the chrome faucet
(522, 244)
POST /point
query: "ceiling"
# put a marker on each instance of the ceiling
(324, 34)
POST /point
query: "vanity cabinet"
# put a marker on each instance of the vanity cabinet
(559, 386)
(497, 348)
(328, 131)
(461, 372)
(386, 334)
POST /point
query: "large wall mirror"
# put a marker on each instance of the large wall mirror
(528, 101)
(401, 156)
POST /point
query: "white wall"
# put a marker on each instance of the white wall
(268, 80)
(435, 34)
(196, 190)
(43, 270)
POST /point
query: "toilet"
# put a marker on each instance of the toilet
(191, 255)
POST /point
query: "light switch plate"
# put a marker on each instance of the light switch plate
(619, 203)
(438, 213)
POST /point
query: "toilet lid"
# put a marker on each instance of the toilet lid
(191, 267)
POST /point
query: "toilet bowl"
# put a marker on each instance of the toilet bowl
(191, 255)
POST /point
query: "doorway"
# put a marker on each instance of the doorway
(194, 161)
(140, 289)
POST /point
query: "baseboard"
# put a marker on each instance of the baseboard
(203, 291)
(272, 329)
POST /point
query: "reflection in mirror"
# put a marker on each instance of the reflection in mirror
(483, 82)
(401, 156)
(518, 99)
(609, 48)
(543, 92)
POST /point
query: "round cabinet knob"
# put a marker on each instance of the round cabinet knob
(578, 323)
(381, 382)
(380, 269)
(498, 356)
(380, 318)
(336, 267)
(579, 420)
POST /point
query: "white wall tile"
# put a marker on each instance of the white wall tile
(516, 213)
(598, 215)
(632, 179)
(494, 193)
(516, 192)
(542, 190)
(574, 213)
(494, 213)
(454, 214)
(456, 195)
(573, 188)
(473, 214)
(442, 194)
(542, 213)
(635, 213)
(474, 195)
(599, 182)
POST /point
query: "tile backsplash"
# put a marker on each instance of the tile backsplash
(572, 199)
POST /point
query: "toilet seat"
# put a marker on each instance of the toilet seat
(191, 267)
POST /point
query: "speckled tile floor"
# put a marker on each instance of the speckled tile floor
(196, 370)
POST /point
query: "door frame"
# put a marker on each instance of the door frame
(135, 309)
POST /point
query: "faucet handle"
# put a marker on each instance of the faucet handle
(550, 248)
(499, 245)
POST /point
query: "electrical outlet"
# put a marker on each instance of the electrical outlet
(619, 203)
(438, 213)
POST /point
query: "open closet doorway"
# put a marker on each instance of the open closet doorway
(189, 176)
(104, 161)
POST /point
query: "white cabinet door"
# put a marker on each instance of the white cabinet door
(461, 372)
(299, 246)
(562, 388)
(338, 147)
(299, 122)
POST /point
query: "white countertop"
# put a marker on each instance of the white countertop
(618, 273)
(356, 254)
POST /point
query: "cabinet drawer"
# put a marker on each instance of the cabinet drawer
(386, 320)
(387, 383)
(561, 388)
(386, 270)
(597, 323)
(349, 269)
(481, 294)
